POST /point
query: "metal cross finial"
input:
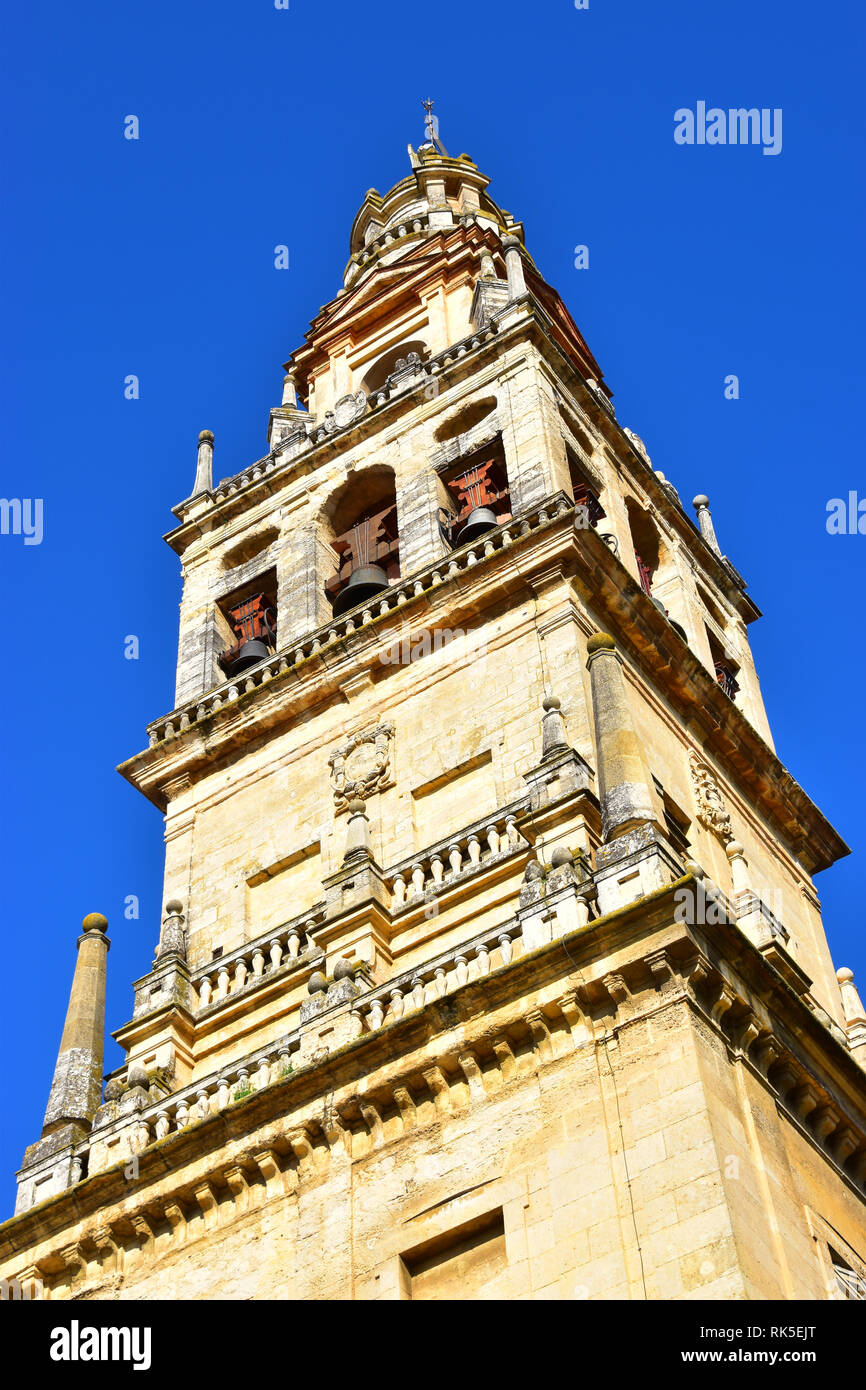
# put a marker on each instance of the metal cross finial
(431, 126)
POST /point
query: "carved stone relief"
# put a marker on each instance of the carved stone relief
(712, 812)
(362, 766)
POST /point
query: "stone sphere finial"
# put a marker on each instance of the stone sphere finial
(561, 855)
(344, 970)
(600, 642)
(357, 807)
(700, 501)
(205, 437)
(844, 975)
(174, 908)
(317, 983)
(94, 921)
(551, 702)
(733, 848)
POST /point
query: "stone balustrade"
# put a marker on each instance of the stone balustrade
(384, 605)
(413, 989)
(403, 993)
(426, 371)
(215, 1092)
(487, 842)
(255, 960)
(385, 240)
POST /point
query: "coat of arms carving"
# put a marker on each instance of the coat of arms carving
(712, 811)
(362, 765)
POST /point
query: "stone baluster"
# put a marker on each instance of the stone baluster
(505, 948)
(240, 974)
(455, 859)
(294, 944)
(399, 889)
(417, 995)
(275, 951)
(440, 981)
(492, 838)
(205, 990)
(376, 1016)
(223, 1094)
(417, 880)
(397, 1003)
(461, 968)
(482, 956)
(202, 1104)
(181, 1114)
(258, 963)
(437, 868)
(263, 1073)
(163, 1124)
(222, 988)
(474, 850)
(243, 1080)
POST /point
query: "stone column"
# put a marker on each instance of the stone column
(701, 505)
(204, 469)
(357, 831)
(514, 267)
(623, 779)
(172, 939)
(76, 1090)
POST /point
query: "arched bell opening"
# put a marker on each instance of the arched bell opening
(477, 496)
(360, 529)
(247, 619)
(645, 540)
(586, 494)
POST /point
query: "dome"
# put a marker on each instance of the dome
(439, 193)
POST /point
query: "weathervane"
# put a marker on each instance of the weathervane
(431, 127)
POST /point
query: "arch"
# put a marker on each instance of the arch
(645, 541)
(377, 374)
(464, 419)
(357, 526)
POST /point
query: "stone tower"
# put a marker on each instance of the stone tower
(491, 961)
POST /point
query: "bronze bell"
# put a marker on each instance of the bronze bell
(479, 520)
(250, 654)
(364, 583)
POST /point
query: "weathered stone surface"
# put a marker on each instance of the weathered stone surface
(428, 1017)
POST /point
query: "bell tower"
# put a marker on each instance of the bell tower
(491, 962)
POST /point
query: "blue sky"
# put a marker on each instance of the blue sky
(155, 257)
